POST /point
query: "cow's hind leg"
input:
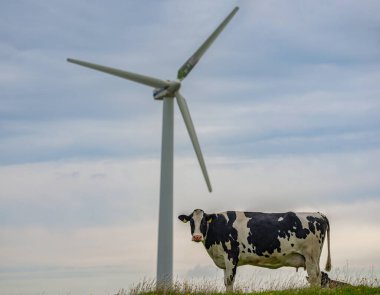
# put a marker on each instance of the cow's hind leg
(313, 271)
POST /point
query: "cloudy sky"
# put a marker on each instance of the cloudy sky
(286, 104)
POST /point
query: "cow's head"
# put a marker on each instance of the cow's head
(199, 222)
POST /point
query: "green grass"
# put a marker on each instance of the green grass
(344, 290)
(302, 291)
(148, 287)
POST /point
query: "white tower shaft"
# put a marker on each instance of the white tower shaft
(165, 223)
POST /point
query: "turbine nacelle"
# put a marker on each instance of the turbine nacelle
(166, 91)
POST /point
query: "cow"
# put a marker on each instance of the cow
(269, 240)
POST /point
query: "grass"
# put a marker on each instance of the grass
(343, 290)
(276, 287)
(300, 291)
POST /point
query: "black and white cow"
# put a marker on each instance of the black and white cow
(270, 240)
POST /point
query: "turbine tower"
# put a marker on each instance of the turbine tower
(166, 91)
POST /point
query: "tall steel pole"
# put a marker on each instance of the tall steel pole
(165, 222)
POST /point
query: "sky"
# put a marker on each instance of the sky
(286, 104)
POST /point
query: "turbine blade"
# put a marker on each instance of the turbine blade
(193, 136)
(193, 60)
(149, 81)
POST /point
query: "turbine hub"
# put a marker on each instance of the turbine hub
(166, 91)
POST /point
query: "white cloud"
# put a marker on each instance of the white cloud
(94, 260)
(80, 248)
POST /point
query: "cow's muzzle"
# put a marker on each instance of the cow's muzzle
(197, 238)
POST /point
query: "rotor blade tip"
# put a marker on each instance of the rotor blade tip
(235, 10)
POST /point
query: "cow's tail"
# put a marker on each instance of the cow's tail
(328, 262)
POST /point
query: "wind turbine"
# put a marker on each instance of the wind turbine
(166, 90)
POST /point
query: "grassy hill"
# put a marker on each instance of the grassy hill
(183, 288)
(344, 290)
(306, 291)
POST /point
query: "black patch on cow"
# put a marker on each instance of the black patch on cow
(221, 231)
(192, 226)
(203, 226)
(318, 225)
(266, 229)
(292, 244)
(311, 226)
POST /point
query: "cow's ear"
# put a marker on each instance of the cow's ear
(184, 218)
(211, 217)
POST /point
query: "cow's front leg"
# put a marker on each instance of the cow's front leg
(229, 280)
(229, 276)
